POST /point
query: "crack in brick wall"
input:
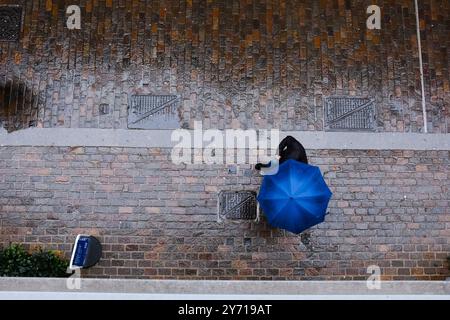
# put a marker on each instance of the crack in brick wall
(158, 220)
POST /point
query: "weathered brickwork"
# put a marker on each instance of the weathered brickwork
(261, 63)
(248, 64)
(158, 220)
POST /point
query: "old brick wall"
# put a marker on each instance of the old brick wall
(261, 63)
(158, 220)
(248, 64)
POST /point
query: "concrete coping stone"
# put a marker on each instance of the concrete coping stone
(225, 287)
(61, 137)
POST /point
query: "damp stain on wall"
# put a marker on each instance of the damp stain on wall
(18, 106)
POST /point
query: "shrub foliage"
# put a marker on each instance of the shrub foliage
(15, 261)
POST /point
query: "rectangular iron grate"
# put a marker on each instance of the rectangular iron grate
(153, 112)
(237, 205)
(10, 22)
(349, 114)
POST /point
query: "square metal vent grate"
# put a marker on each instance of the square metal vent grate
(349, 114)
(10, 22)
(237, 205)
(153, 112)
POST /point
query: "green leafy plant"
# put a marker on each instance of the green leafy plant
(15, 261)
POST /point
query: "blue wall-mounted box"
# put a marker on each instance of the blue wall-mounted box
(86, 252)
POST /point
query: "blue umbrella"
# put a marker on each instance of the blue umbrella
(296, 198)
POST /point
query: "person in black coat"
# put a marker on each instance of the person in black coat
(289, 148)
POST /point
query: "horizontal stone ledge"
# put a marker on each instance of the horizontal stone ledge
(224, 287)
(62, 137)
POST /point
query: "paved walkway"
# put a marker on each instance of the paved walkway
(26, 295)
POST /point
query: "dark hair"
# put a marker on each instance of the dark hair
(290, 148)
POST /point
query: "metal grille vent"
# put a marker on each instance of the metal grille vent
(237, 205)
(153, 112)
(349, 114)
(10, 22)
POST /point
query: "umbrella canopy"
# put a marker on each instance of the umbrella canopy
(296, 198)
